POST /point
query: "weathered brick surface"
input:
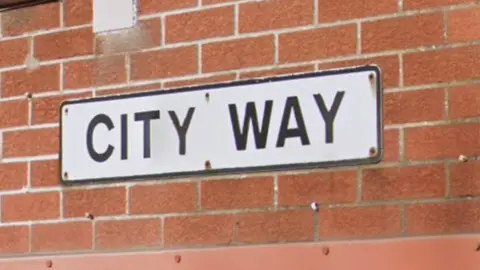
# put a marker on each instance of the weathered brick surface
(199, 230)
(62, 236)
(30, 206)
(22, 21)
(285, 226)
(40, 80)
(267, 15)
(330, 11)
(303, 45)
(209, 23)
(324, 188)
(403, 33)
(155, 199)
(427, 51)
(237, 193)
(360, 222)
(98, 202)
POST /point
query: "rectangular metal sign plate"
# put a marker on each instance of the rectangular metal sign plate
(304, 121)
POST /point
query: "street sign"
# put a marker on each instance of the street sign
(316, 120)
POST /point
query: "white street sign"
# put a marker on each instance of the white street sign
(317, 120)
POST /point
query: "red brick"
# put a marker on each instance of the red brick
(212, 2)
(449, 217)
(329, 11)
(425, 4)
(164, 198)
(267, 15)
(285, 226)
(30, 206)
(145, 34)
(198, 230)
(404, 183)
(236, 54)
(465, 179)
(304, 45)
(33, 142)
(122, 234)
(152, 65)
(463, 101)
(129, 89)
(323, 188)
(402, 33)
(95, 72)
(64, 44)
(13, 113)
(20, 82)
(197, 25)
(13, 52)
(391, 145)
(154, 6)
(237, 193)
(13, 176)
(442, 66)
(439, 142)
(461, 23)
(98, 202)
(46, 109)
(44, 173)
(389, 66)
(201, 81)
(276, 72)
(414, 106)
(14, 239)
(77, 12)
(24, 20)
(360, 222)
(62, 237)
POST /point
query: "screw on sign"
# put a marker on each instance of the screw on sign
(208, 166)
(49, 264)
(371, 78)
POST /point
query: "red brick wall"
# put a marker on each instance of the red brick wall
(428, 51)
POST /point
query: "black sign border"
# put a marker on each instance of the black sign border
(376, 158)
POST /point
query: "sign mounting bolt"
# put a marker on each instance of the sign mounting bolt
(65, 175)
(66, 110)
(208, 166)
(371, 77)
(207, 97)
(372, 151)
(49, 264)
